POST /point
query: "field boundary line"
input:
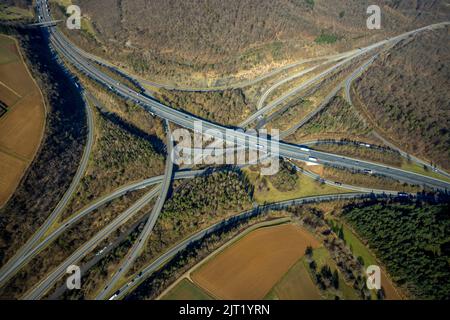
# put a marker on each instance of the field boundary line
(11, 89)
(13, 154)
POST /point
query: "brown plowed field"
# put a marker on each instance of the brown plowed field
(22, 126)
(249, 268)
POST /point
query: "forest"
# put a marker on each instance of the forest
(412, 240)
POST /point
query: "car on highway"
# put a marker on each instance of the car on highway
(260, 147)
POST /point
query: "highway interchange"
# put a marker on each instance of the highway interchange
(242, 139)
(238, 137)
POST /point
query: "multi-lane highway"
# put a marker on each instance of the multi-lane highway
(45, 284)
(141, 241)
(8, 272)
(269, 107)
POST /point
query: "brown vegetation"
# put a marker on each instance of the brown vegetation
(179, 41)
(65, 245)
(122, 154)
(353, 149)
(227, 107)
(337, 120)
(405, 94)
(358, 178)
(285, 179)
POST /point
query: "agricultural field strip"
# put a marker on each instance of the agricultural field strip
(245, 269)
(141, 241)
(221, 248)
(10, 89)
(14, 154)
(20, 148)
(13, 263)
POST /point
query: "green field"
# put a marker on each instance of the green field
(296, 284)
(356, 246)
(321, 256)
(359, 249)
(305, 187)
(326, 38)
(8, 51)
(416, 168)
(13, 13)
(186, 290)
